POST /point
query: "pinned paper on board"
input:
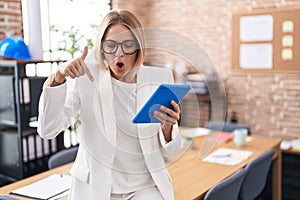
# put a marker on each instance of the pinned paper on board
(256, 28)
(256, 56)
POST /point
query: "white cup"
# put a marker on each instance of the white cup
(240, 136)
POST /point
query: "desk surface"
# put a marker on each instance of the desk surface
(191, 177)
(8, 188)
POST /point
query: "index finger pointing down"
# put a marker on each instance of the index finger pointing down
(88, 72)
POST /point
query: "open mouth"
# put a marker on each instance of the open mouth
(120, 64)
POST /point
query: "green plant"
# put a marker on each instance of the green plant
(71, 40)
(76, 123)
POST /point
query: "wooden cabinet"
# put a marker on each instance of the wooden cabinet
(290, 177)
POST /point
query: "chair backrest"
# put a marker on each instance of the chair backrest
(225, 126)
(2, 197)
(228, 189)
(62, 157)
(256, 177)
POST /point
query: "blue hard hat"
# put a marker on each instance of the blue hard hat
(14, 47)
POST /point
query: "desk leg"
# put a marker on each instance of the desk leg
(277, 174)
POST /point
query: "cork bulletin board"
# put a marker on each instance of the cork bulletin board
(266, 40)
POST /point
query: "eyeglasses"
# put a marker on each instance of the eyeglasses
(128, 46)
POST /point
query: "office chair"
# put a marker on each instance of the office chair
(225, 126)
(4, 197)
(62, 157)
(228, 189)
(256, 176)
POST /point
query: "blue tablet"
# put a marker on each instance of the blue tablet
(162, 96)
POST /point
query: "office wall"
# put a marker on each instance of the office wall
(268, 103)
(10, 18)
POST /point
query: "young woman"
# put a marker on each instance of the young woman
(116, 158)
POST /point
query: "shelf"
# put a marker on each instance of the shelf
(22, 151)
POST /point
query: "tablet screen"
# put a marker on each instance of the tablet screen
(161, 96)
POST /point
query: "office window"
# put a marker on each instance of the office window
(61, 18)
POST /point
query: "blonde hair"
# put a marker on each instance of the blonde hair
(128, 19)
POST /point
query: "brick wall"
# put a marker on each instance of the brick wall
(268, 103)
(10, 18)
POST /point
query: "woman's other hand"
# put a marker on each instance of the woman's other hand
(168, 119)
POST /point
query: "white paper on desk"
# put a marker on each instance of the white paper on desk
(226, 156)
(46, 188)
(195, 132)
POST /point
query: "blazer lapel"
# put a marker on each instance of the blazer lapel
(104, 98)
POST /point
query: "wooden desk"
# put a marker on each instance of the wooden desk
(59, 170)
(192, 178)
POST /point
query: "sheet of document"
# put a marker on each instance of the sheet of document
(256, 28)
(256, 56)
(47, 188)
(226, 156)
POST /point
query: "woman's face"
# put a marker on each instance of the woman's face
(120, 51)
